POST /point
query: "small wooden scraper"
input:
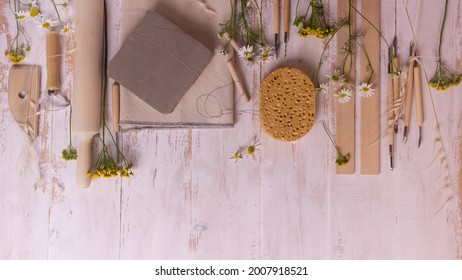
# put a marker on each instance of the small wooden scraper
(23, 96)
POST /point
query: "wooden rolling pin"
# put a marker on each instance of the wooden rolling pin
(88, 68)
(53, 52)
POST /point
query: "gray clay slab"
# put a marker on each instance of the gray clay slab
(158, 62)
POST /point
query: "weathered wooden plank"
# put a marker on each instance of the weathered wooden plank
(156, 202)
(188, 200)
(23, 200)
(370, 106)
(293, 175)
(345, 118)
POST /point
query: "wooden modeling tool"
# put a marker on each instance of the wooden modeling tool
(116, 115)
(413, 85)
(418, 100)
(232, 70)
(286, 24)
(88, 66)
(23, 96)
(236, 78)
(390, 114)
(276, 23)
(53, 52)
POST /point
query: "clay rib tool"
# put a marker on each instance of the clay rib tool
(390, 115)
(408, 98)
(286, 24)
(23, 96)
(116, 115)
(418, 99)
(276, 26)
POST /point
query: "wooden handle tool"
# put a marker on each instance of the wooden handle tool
(408, 97)
(232, 42)
(276, 25)
(236, 78)
(390, 117)
(396, 88)
(116, 106)
(419, 103)
(286, 20)
(53, 60)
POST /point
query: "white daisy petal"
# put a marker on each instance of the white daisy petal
(365, 90)
(344, 95)
(246, 51)
(21, 15)
(266, 54)
(337, 77)
(323, 88)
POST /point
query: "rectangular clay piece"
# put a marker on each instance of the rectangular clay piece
(158, 62)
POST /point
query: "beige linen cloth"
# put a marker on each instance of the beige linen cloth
(209, 102)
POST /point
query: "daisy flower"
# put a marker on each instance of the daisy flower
(365, 90)
(337, 77)
(253, 149)
(21, 15)
(344, 95)
(236, 154)
(323, 88)
(266, 54)
(246, 51)
(247, 54)
(45, 23)
(66, 29)
(34, 10)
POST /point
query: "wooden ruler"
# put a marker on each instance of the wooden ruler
(370, 106)
(345, 119)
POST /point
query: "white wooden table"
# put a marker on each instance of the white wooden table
(188, 201)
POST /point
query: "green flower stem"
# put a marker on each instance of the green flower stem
(442, 27)
(369, 64)
(318, 68)
(373, 26)
(57, 12)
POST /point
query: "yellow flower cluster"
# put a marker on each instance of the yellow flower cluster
(107, 167)
(111, 171)
(318, 32)
(444, 78)
(16, 56)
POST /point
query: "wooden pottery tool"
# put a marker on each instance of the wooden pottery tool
(286, 24)
(390, 114)
(236, 78)
(287, 104)
(116, 115)
(276, 23)
(88, 68)
(23, 96)
(53, 52)
(413, 84)
(232, 70)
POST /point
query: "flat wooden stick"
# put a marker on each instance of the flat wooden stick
(370, 106)
(345, 116)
